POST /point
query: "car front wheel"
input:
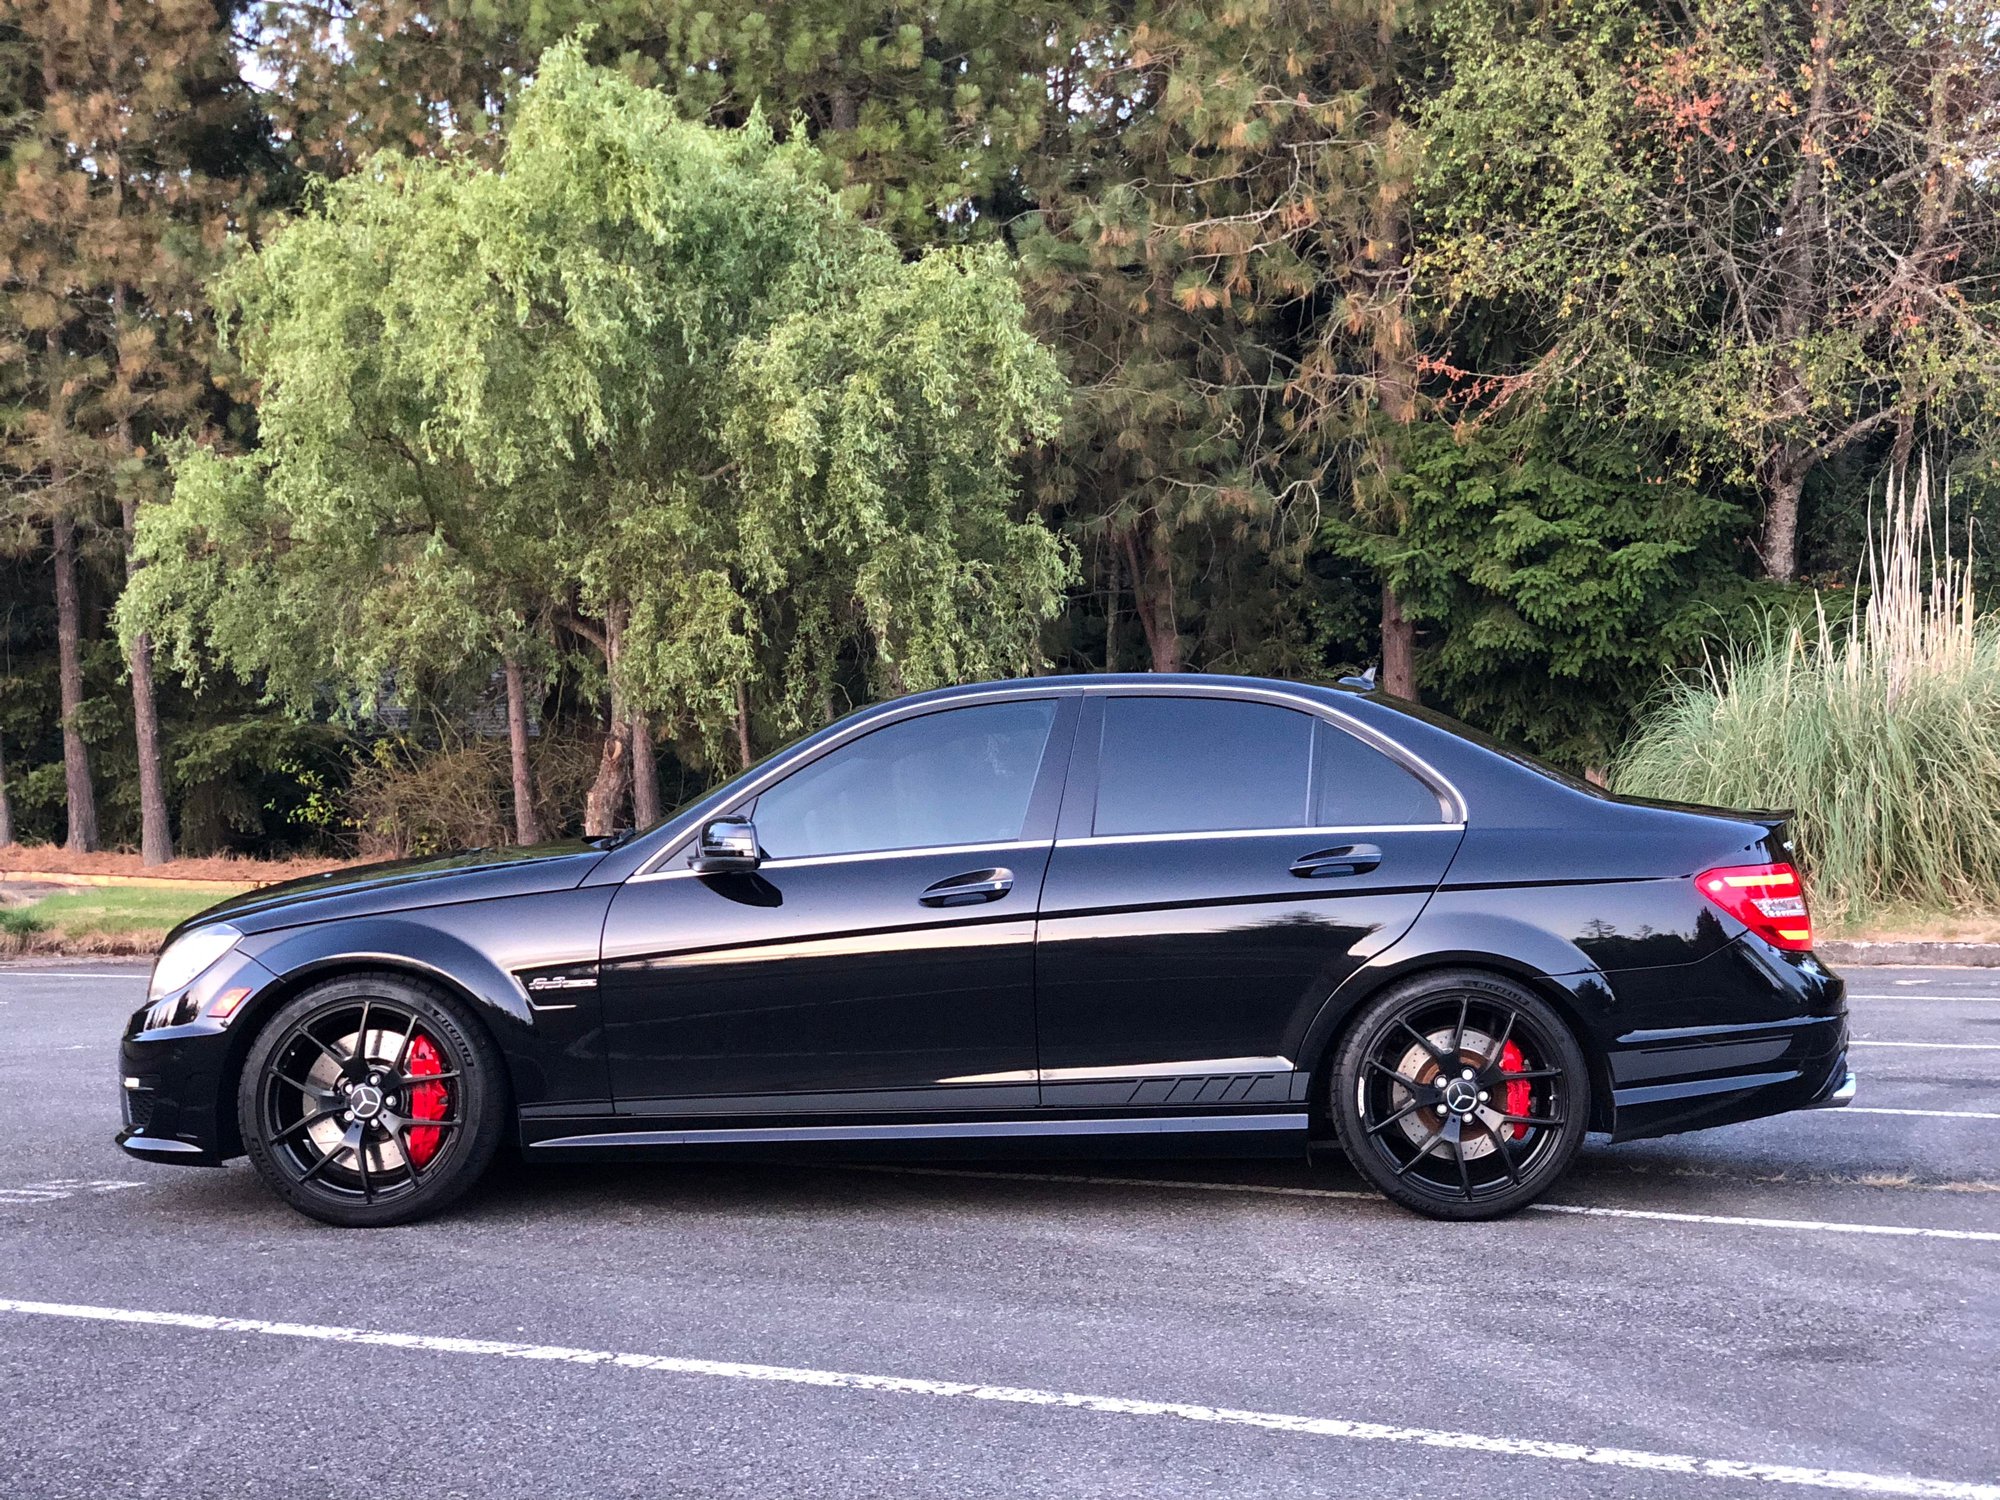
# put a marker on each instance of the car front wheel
(371, 1100)
(1461, 1095)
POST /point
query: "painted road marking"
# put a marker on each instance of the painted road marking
(137, 976)
(1935, 1046)
(1933, 1114)
(1940, 998)
(65, 1187)
(1740, 1221)
(1117, 1406)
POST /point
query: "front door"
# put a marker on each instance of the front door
(880, 958)
(1223, 864)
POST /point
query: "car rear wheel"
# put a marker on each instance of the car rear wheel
(371, 1100)
(1461, 1095)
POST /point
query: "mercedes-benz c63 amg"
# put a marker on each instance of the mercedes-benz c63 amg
(1146, 914)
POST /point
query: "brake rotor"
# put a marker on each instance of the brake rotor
(1473, 1049)
(384, 1154)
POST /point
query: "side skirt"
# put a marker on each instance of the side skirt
(1261, 1131)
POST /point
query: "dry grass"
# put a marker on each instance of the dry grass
(53, 859)
(1882, 733)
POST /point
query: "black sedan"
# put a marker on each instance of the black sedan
(1145, 914)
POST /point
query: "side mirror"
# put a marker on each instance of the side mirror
(727, 844)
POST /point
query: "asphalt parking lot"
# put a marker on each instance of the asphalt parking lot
(1810, 1302)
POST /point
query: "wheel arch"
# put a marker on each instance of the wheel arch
(249, 1023)
(1570, 995)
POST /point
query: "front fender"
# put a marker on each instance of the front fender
(297, 954)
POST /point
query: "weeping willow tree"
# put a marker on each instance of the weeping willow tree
(642, 391)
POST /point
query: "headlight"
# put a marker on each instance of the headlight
(188, 956)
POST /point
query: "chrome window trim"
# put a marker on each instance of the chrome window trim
(808, 861)
(1086, 840)
(773, 774)
(1200, 1067)
(1450, 801)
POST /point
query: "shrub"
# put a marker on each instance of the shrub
(1883, 734)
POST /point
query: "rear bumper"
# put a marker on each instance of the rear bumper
(1782, 1047)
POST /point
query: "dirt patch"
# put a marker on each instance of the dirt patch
(54, 860)
(52, 944)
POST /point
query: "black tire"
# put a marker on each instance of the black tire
(372, 1099)
(1460, 1094)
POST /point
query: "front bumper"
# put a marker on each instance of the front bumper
(176, 1102)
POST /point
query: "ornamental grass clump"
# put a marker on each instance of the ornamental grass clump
(1881, 733)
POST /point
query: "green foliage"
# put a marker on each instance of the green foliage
(1556, 578)
(1758, 226)
(649, 381)
(1883, 733)
(21, 922)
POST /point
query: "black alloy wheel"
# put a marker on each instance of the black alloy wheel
(371, 1100)
(1460, 1094)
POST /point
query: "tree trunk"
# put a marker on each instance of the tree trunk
(526, 829)
(645, 775)
(607, 792)
(69, 656)
(1114, 596)
(744, 756)
(1399, 648)
(1904, 445)
(156, 839)
(6, 807)
(1153, 593)
(1780, 547)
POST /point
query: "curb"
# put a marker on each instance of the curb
(153, 882)
(1859, 953)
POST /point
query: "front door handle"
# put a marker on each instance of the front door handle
(971, 887)
(1348, 859)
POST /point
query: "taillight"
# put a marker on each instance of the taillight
(1770, 900)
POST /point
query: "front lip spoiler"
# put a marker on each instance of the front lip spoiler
(1840, 1097)
(159, 1148)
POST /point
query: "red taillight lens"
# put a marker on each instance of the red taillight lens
(1770, 900)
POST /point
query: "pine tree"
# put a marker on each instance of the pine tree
(110, 215)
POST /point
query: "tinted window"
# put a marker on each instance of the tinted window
(959, 777)
(1193, 765)
(1356, 786)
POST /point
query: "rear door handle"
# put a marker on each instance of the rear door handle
(971, 887)
(1347, 859)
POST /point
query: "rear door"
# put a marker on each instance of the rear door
(1222, 864)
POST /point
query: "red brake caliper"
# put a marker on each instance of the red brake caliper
(1520, 1096)
(428, 1101)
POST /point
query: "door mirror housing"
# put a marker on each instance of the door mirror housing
(727, 844)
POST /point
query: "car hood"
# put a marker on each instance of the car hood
(401, 884)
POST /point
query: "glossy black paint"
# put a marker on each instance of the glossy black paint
(1135, 993)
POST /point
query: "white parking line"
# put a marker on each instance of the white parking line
(136, 976)
(1116, 1406)
(1935, 1046)
(61, 1188)
(1739, 1221)
(1933, 1114)
(1982, 999)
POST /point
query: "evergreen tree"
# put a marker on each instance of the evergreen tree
(111, 213)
